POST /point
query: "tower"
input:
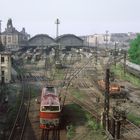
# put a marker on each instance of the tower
(57, 48)
(57, 25)
(9, 24)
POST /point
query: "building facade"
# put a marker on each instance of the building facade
(91, 40)
(13, 39)
(5, 67)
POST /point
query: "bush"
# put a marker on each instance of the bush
(70, 131)
(92, 124)
(134, 51)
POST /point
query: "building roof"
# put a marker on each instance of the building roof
(68, 35)
(40, 36)
(10, 31)
(49, 98)
(5, 53)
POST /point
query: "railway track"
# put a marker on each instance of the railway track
(73, 73)
(53, 134)
(130, 131)
(92, 105)
(87, 107)
(31, 77)
(19, 124)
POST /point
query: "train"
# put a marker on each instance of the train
(50, 108)
(133, 68)
(115, 90)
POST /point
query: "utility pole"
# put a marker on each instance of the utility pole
(115, 54)
(0, 33)
(96, 55)
(57, 49)
(106, 38)
(57, 46)
(88, 40)
(106, 100)
(124, 62)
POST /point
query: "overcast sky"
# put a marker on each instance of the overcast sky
(79, 17)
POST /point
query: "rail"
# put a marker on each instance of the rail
(19, 124)
(48, 134)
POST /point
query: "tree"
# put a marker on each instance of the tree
(134, 51)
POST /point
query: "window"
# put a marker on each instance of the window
(50, 108)
(50, 89)
(2, 59)
(9, 39)
(2, 73)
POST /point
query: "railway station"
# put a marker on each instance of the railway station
(67, 87)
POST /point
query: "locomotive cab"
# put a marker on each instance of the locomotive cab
(49, 108)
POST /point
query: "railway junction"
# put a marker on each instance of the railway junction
(96, 101)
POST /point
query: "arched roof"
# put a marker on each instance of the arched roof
(70, 40)
(41, 40)
(40, 36)
(68, 35)
(64, 40)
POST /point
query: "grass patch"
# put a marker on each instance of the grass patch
(59, 74)
(12, 113)
(77, 93)
(80, 113)
(34, 91)
(96, 129)
(133, 118)
(119, 72)
(92, 123)
(77, 117)
(70, 132)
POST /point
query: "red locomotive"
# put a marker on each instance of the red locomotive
(49, 108)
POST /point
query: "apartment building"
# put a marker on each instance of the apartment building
(5, 67)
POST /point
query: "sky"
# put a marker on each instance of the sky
(79, 17)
